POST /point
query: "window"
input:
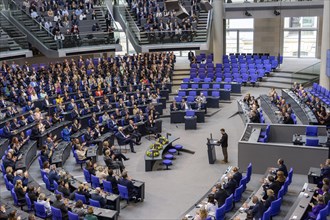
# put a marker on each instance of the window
(239, 35)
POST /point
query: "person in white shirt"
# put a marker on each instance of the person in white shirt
(59, 37)
(211, 205)
(42, 200)
(34, 14)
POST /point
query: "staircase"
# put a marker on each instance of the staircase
(100, 16)
(35, 29)
(19, 40)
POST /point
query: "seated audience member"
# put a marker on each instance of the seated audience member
(61, 205)
(90, 214)
(211, 205)
(10, 174)
(91, 167)
(3, 212)
(83, 190)
(287, 119)
(254, 117)
(133, 192)
(256, 210)
(66, 133)
(111, 162)
(126, 139)
(33, 193)
(325, 169)
(24, 177)
(269, 200)
(45, 201)
(45, 154)
(53, 175)
(270, 183)
(151, 126)
(81, 152)
(98, 195)
(174, 106)
(112, 178)
(231, 185)
(316, 208)
(7, 131)
(9, 160)
(281, 167)
(201, 214)
(20, 191)
(118, 155)
(133, 131)
(101, 173)
(64, 188)
(237, 175)
(79, 209)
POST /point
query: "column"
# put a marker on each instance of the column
(269, 31)
(324, 79)
(217, 31)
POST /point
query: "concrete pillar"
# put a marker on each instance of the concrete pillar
(217, 31)
(269, 31)
(319, 38)
(324, 79)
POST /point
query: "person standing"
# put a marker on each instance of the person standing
(224, 145)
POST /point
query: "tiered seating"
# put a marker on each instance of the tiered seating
(7, 43)
(321, 92)
(195, 30)
(235, 68)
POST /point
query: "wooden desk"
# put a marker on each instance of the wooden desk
(301, 204)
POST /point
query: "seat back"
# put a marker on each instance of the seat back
(95, 181)
(107, 186)
(275, 207)
(13, 194)
(322, 214)
(40, 210)
(56, 213)
(243, 182)
(311, 131)
(312, 142)
(9, 185)
(94, 203)
(220, 212)
(248, 173)
(77, 197)
(281, 192)
(28, 202)
(40, 163)
(290, 174)
(238, 194)
(123, 192)
(87, 175)
(266, 215)
(73, 216)
(229, 203)
(190, 113)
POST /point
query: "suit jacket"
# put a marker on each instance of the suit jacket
(283, 169)
(114, 183)
(30, 119)
(221, 196)
(8, 163)
(33, 196)
(230, 186)
(257, 210)
(268, 202)
(175, 107)
(128, 184)
(237, 177)
(61, 206)
(7, 132)
(224, 140)
(99, 198)
(53, 176)
(35, 133)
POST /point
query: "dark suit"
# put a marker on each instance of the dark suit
(268, 202)
(7, 132)
(134, 132)
(61, 206)
(275, 186)
(8, 163)
(221, 196)
(132, 191)
(175, 107)
(257, 210)
(230, 186)
(35, 133)
(283, 169)
(99, 198)
(114, 183)
(237, 177)
(122, 139)
(224, 144)
(53, 176)
(33, 196)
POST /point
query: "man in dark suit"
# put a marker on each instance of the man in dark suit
(256, 210)
(53, 175)
(133, 131)
(97, 196)
(282, 167)
(132, 191)
(112, 124)
(7, 132)
(125, 139)
(30, 118)
(224, 145)
(174, 106)
(9, 160)
(237, 175)
(288, 119)
(219, 194)
(271, 184)
(231, 185)
(61, 206)
(35, 132)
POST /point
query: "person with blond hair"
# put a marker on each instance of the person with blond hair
(269, 200)
(46, 202)
(20, 191)
(201, 214)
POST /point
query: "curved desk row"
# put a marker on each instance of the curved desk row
(270, 109)
(235, 87)
(150, 161)
(243, 111)
(303, 112)
(4, 143)
(224, 94)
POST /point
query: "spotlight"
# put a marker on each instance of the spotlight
(276, 13)
(248, 14)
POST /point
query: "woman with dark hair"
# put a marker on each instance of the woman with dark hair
(211, 205)
(79, 209)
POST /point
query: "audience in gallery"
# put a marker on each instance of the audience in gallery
(159, 23)
(314, 103)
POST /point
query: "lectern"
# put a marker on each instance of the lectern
(211, 145)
